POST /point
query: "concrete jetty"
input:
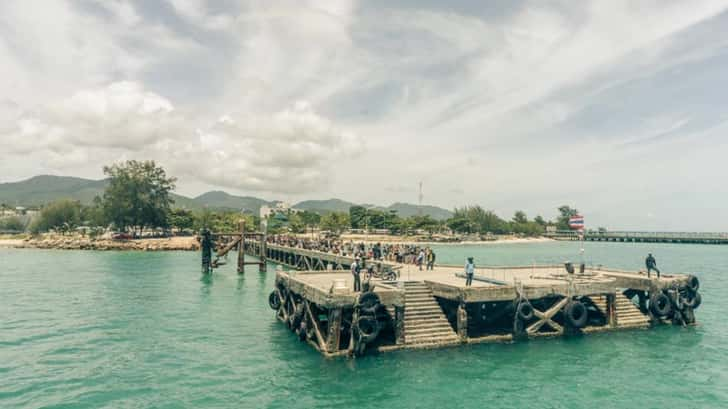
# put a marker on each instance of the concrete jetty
(432, 309)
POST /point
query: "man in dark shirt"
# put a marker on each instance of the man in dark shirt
(651, 264)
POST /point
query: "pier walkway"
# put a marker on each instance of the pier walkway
(643, 237)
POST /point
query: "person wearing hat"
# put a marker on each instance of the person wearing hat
(469, 271)
(355, 270)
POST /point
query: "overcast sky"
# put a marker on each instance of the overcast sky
(619, 108)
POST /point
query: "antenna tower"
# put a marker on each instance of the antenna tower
(419, 207)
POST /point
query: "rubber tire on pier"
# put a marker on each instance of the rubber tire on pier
(368, 328)
(274, 300)
(524, 311)
(576, 314)
(297, 316)
(693, 283)
(660, 305)
(369, 300)
(694, 301)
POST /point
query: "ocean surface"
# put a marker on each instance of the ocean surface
(82, 329)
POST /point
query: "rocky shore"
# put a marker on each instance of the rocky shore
(85, 243)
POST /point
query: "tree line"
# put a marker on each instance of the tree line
(138, 198)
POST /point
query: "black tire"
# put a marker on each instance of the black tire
(576, 314)
(689, 316)
(694, 301)
(693, 284)
(368, 300)
(524, 311)
(368, 328)
(660, 305)
(274, 301)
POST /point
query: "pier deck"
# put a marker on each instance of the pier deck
(430, 309)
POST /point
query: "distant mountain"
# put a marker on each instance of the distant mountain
(43, 189)
(407, 210)
(325, 206)
(402, 209)
(221, 200)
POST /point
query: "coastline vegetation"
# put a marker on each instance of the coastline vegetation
(138, 199)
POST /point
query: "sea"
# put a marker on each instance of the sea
(86, 329)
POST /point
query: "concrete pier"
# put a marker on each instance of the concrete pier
(431, 309)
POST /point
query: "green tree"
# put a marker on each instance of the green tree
(12, 223)
(565, 212)
(357, 217)
(61, 215)
(310, 218)
(138, 195)
(520, 217)
(540, 221)
(181, 219)
(94, 215)
(335, 221)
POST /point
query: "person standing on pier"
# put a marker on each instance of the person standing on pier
(430, 259)
(420, 259)
(651, 264)
(469, 271)
(355, 270)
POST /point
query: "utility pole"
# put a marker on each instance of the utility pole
(419, 207)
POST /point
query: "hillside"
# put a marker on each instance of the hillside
(325, 206)
(222, 200)
(43, 189)
(407, 210)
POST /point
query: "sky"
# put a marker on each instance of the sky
(618, 108)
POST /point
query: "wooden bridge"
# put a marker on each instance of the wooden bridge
(644, 237)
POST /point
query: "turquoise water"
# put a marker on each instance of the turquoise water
(83, 329)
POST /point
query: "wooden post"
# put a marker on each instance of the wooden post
(462, 322)
(241, 251)
(321, 343)
(399, 335)
(612, 310)
(263, 246)
(334, 336)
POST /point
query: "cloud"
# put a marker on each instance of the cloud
(288, 152)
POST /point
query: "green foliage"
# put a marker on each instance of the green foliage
(138, 195)
(94, 215)
(181, 219)
(357, 217)
(12, 223)
(61, 216)
(565, 212)
(335, 222)
(540, 221)
(222, 222)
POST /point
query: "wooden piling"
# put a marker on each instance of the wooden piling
(241, 248)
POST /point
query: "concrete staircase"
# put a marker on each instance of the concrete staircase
(628, 315)
(424, 322)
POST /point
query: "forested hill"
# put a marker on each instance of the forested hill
(43, 189)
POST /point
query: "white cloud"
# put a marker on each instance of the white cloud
(289, 152)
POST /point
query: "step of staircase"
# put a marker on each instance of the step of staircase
(425, 323)
(628, 314)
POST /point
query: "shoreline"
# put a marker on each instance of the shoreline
(59, 242)
(189, 243)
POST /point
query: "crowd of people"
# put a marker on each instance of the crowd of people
(422, 256)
